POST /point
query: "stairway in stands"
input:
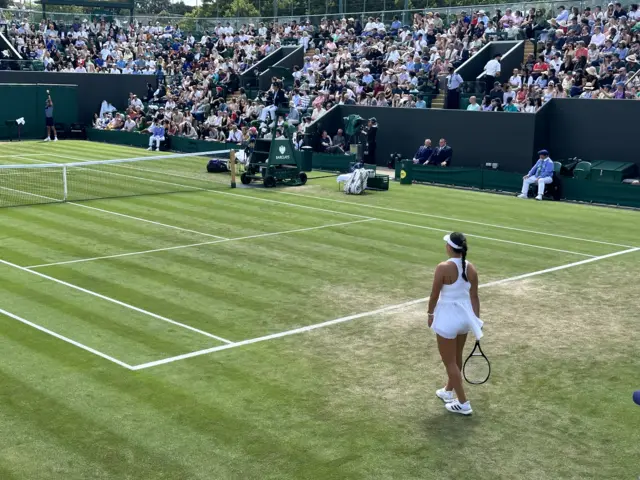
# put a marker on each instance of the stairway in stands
(438, 100)
(528, 49)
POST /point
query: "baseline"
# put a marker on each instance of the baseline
(370, 313)
(433, 229)
(396, 210)
(363, 216)
(66, 339)
(441, 217)
(117, 302)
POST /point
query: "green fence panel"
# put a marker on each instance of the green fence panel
(189, 145)
(118, 138)
(461, 177)
(177, 144)
(503, 181)
(28, 101)
(65, 102)
(607, 193)
(600, 192)
(327, 161)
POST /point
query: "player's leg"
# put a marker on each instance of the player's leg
(460, 341)
(48, 137)
(150, 143)
(448, 348)
(55, 134)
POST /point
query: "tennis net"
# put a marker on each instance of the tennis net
(37, 183)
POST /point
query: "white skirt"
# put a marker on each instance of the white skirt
(456, 318)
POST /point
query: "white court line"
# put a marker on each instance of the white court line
(452, 219)
(66, 339)
(492, 239)
(111, 212)
(396, 210)
(351, 214)
(113, 300)
(368, 314)
(179, 247)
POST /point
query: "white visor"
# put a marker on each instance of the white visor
(447, 238)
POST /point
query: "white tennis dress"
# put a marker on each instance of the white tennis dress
(454, 315)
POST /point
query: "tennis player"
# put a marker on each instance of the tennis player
(454, 308)
(48, 117)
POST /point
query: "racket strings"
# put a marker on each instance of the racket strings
(476, 369)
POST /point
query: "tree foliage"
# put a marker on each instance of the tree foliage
(152, 6)
(228, 8)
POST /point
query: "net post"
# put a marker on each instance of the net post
(64, 183)
(232, 167)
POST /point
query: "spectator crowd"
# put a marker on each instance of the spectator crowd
(592, 53)
(589, 54)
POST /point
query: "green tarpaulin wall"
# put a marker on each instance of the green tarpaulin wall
(591, 191)
(28, 101)
(177, 144)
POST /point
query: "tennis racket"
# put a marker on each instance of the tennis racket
(476, 368)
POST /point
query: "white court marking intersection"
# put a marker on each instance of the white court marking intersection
(378, 311)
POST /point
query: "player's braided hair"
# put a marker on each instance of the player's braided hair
(460, 239)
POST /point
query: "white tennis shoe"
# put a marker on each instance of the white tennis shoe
(522, 195)
(539, 197)
(445, 395)
(457, 407)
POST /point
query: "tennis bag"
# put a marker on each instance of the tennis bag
(217, 166)
(357, 182)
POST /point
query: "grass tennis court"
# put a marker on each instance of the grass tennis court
(212, 333)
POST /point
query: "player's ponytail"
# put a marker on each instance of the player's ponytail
(464, 260)
(459, 245)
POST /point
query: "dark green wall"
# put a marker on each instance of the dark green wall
(93, 88)
(28, 101)
(475, 137)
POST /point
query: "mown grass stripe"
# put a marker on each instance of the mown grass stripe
(124, 335)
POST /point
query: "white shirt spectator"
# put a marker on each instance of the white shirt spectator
(555, 63)
(235, 136)
(515, 81)
(137, 103)
(492, 67)
(129, 125)
(598, 39)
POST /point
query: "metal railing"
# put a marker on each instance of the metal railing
(303, 10)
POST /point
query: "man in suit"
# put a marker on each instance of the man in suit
(441, 156)
(541, 173)
(424, 153)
